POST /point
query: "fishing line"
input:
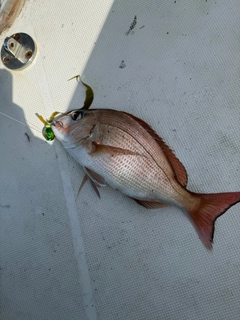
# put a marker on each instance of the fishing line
(29, 126)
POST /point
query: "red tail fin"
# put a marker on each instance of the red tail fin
(210, 208)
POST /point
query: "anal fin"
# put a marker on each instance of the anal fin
(151, 204)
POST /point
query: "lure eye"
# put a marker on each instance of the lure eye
(48, 133)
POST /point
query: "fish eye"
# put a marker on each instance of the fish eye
(74, 115)
(77, 115)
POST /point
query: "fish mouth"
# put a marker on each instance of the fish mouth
(57, 124)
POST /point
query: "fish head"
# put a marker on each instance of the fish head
(74, 127)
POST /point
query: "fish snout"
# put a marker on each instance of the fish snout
(57, 124)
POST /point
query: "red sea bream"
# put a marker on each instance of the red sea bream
(121, 150)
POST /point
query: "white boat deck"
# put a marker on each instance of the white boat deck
(64, 257)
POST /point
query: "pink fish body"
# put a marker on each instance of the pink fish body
(120, 150)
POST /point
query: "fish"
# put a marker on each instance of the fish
(118, 149)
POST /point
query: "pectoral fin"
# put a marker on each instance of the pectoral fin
(113, 151)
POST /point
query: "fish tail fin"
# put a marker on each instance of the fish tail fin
(210, 207)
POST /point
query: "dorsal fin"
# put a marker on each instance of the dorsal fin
(177, 166)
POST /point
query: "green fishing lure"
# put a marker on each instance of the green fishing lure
(47, 129)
